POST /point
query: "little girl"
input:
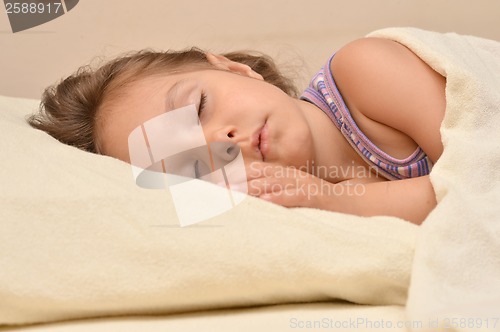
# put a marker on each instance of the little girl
(364, 134)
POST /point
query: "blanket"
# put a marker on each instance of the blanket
(455, 281)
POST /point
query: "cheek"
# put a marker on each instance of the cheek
(252, 95)
(238, 100)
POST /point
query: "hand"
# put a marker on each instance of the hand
(288, 186)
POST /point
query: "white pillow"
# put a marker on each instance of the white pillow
(79, 239)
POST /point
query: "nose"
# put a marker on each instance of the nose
(225, 134)
(224, 145)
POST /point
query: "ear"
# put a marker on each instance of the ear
(221, 62)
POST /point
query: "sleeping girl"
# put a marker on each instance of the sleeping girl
(366, 131)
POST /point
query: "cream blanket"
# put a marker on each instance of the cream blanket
(456, 270)
(79, 239)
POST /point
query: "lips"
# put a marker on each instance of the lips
(261, 141)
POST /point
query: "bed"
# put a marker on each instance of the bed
(83, 248)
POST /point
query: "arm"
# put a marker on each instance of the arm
(410, 199)
(389, 90)
(384, 82)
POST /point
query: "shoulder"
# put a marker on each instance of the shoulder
(370, 47)
(369, 50)
(365, 65)
(389, 84)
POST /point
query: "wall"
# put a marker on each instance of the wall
(301, 34)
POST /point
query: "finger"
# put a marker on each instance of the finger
(257, 187)
(285, 198)
(257, 169)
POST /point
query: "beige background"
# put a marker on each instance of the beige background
(301, 34)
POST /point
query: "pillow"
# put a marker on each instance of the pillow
(79, 239)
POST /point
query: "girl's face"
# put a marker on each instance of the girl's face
(233, 105)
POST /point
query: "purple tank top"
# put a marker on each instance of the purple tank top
(323, 92)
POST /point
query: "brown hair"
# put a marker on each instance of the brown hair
(69, 110)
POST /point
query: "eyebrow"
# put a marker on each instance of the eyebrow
(172, 95)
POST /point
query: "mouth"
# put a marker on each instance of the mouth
(261, 141)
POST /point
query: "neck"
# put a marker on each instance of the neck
(335, 159)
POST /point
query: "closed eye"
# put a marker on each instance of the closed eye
(203, 101)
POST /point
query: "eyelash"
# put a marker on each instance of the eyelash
(203, 101)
